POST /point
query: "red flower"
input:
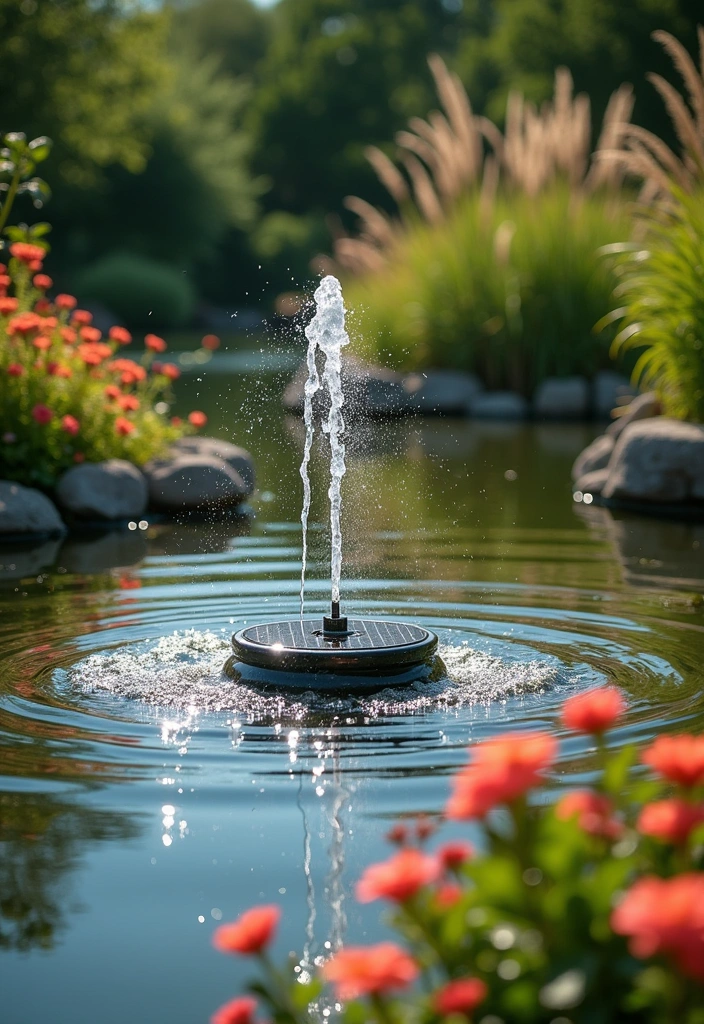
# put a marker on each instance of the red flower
(42, 343)
(26, 252)
(593, 711)
(168, 370)
(155, 343)
(397, 834)
(79, 457)
(49, 323)
(502, 771)
(398, 878)
(176, 421)
(69, 335)
(59, 370)
(65, 301)
(5, 281)
(128, 403)
(35, 264)
(678, 759)
(81, 316)
(70, 424)
(91, 334)
(447, 895)
(424, 827)
(24, 323)
(120, 334)
(358, 970)
(453, 855)
(7, 305)
(211, 342)
(42, 414)
(461, 996)
(250, 933)
(123, 426)
(42, 306)
(93, 353)
(42, 281)
(237, 1011)
(129, 370)
(112, 391)
(594, 813)
(197, 419)
(665, 916)
(15, 370)
(670, 820)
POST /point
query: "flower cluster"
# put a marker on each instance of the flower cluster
(589, 907)
(68, 393)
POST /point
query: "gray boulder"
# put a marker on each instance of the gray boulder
(369, 391)
(595, 456)
(641, 408)
(591, 483)
(25, 511)
(238, 458)
(609, 389)
(114, 489)
(441, 392)
(194, 482)
(499, 405)
(658, 460)
(562, 398)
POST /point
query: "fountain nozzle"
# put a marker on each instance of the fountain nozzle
(335, 624)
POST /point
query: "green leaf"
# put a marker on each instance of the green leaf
(302, 995)
(40, 148)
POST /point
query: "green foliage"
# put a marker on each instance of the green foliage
(18, 161)
(512, 296)
(140, 291)
(662, 285)
(235, 32)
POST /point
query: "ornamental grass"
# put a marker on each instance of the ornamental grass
(67, 396)
(584, 909)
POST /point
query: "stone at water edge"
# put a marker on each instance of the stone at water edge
(194, 482)
(641, 408)
(110, 490)
(562, 398)
(595, 456)
(21, 558)
(441, 392)
(660, 460)
(608, 391)
(499, 405)
(26, 512)
(591, 483)
(238, 458)
(373, 391)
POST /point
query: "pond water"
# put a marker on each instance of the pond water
(144, 797)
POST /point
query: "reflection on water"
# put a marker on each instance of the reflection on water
(144, 787)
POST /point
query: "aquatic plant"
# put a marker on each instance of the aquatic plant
(587, 908)
(491, 262)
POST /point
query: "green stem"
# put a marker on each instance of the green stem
(11, 193)
(381, 1008)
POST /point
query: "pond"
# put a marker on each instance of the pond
(145, 797)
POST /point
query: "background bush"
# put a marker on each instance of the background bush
(138, 290)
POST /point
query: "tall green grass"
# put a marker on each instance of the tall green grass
(511, 293)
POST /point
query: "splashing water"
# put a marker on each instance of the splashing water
(326, 331)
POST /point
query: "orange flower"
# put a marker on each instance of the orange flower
(24, 323)
(398, 878)
(197, 419)
(168, 370)
(594, 813)
(176, 421)
(594, 711)
(91, 334)
(461, 996)
(670, 820)
(64, 301)
(69, 335)
(7, 305)
(42, 306)
(120, 334)
(128, 403)
(502, 771)
(155, 343)
(124, 426)
(70, 424)
(448, 895)
(81, 316)
(128, 369)
(211, 342)
(59, 370)
(112, 391)
(26, 252)
(665, 916)
(42, 343)
(42, 414)
(678, 759)
(453, 855)
(250, 933)
(49, 323)
(42, 281)
(367, 970)
(237, 1011)
(15, 370)
(5, 280)
(93, 353)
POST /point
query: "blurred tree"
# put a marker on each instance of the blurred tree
(233, 31)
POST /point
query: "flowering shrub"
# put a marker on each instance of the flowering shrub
(586, 911)
(67, 395)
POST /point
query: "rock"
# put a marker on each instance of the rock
(499, 405)
(595, 456)
(592, 483)
(114, 489)
(238, 458)
(194, 481)
(19, 559)
(658, 460)
(369, 391)
(608, 391)
(108, 550)
(25, 511)
(562, 398)
(641, 408)
(441, 392)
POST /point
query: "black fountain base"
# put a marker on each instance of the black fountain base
(337, 654)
